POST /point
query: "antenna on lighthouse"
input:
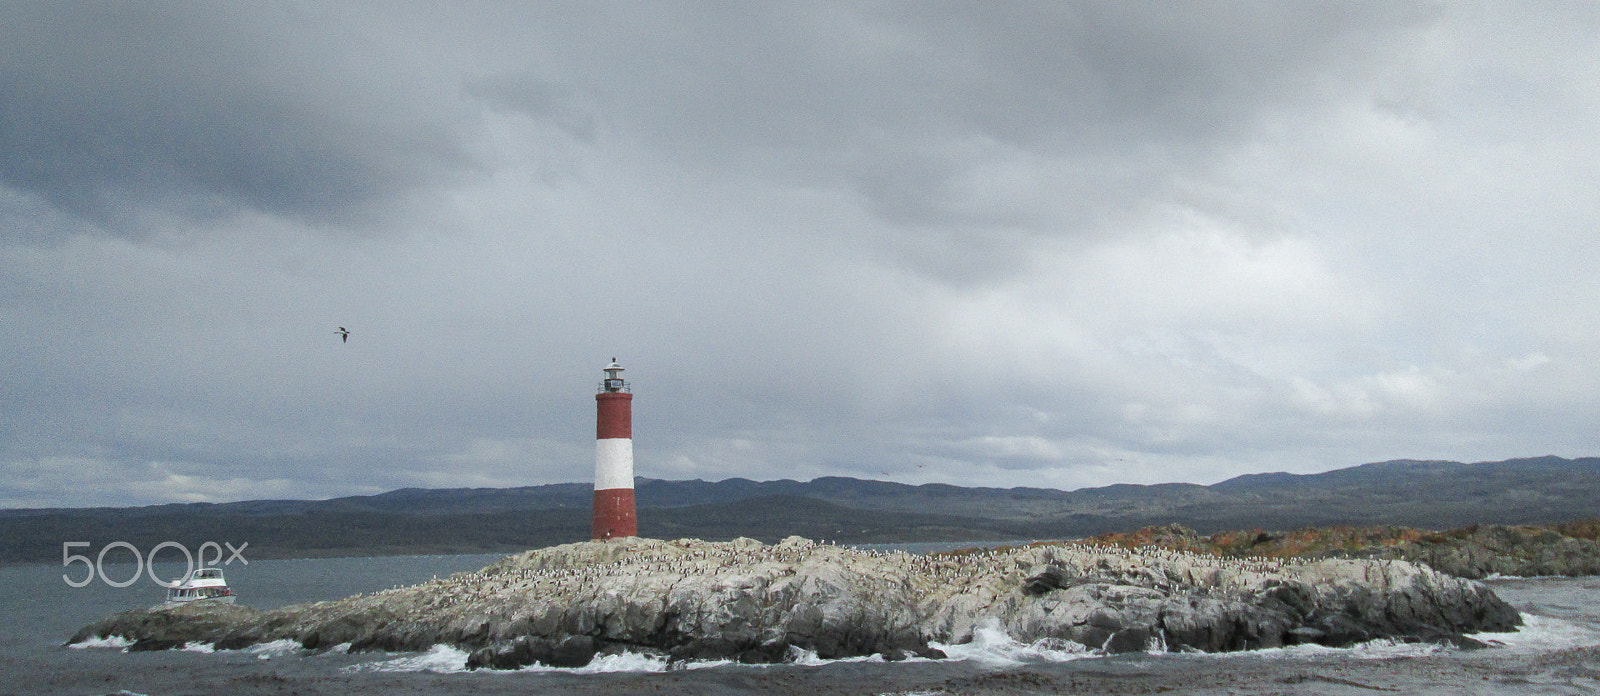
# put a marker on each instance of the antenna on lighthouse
(614, 514)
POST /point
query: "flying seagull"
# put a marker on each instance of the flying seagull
(344, 334)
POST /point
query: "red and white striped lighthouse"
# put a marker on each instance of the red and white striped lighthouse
(613, 458)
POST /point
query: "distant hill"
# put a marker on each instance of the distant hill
(1425, 494)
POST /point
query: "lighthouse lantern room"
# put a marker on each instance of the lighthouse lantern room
(613, 381)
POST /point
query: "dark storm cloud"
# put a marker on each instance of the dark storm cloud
(291, 111)
(954, 122)
(110, 108)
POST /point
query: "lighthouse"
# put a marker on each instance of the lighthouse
(613, 458)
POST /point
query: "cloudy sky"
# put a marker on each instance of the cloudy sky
(1000, 244)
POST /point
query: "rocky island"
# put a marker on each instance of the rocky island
(746, 601)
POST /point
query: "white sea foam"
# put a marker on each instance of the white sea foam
(991, 645)
(1379, 649)
(1540, 633)
(1384, 648)
(118, 642)
(439, 658)
(445, 658)
(277, 648)
(620, 662)
(809, 658)
(624, 662)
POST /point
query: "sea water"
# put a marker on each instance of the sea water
(1557, 652)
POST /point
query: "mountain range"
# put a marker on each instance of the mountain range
(1426, 494)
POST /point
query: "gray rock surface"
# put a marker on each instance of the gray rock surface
(746, 601)
(1478, 552)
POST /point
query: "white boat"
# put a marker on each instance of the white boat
(206, 584)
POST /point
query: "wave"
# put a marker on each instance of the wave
(628, 662)
(809, 658)
(439, 658)
(117, 642)
(1380, 649)
(276, 648)
(447, 659)
(991, 645)
(1543, 633)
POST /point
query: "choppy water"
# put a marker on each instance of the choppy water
(1558, 652)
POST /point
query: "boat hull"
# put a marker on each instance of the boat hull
(225, 599)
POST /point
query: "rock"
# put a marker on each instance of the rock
(1044, 579)
(520, 653)
(197, 622)
(741, 600)
(1480, 551)
(1304, 634)
(575, 651)
(1127, 640)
